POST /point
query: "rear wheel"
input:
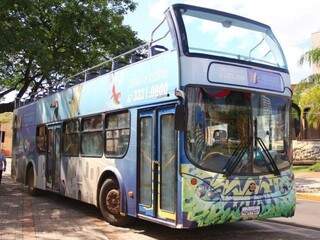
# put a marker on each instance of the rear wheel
(109, 203)
(31, 182)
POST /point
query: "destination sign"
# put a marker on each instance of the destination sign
(246, 77)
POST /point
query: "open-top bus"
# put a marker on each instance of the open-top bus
(189, 130)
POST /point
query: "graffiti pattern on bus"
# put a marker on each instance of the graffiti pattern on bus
(213, 199)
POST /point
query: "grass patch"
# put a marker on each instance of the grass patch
(307, 168)
(301, 168)
(315, 167)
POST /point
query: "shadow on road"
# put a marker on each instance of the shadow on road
(50, 216)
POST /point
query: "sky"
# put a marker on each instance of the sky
(292, 21)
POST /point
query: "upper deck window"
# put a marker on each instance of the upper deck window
(161, 39)
(231, 37)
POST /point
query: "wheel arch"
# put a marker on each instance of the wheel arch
(30, 165)
(115, 174)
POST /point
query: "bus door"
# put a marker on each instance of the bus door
(53, 160)
(157, 156)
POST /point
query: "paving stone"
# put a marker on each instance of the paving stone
(49, 216)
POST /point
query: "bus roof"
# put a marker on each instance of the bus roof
(214, 11)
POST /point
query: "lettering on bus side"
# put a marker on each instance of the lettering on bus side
(149, 92)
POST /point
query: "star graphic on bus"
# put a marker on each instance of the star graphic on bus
(115, 95)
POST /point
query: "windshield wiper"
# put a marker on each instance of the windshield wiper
(265, 149)
(268, 155)
(235, 159)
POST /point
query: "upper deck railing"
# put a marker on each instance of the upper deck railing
(132, 56)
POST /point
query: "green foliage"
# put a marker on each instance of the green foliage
(307, 92)
(304, 85)
(312, 56)
(310, 98)
(301, 168)
(45, 40)
(6, 117)
(307, 168)
(315, 167)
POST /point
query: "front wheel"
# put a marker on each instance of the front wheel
(109, 203)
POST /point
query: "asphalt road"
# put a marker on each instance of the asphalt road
(307, 214)
(49, 216)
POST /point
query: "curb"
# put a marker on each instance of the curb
(308, 196)
(292, 224)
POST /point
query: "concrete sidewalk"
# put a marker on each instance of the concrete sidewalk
(48, 216)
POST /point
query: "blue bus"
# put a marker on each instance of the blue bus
(188, 130)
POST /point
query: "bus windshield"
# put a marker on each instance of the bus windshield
(227, 36)
(225, 126)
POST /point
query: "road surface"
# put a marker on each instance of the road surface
(50, 216)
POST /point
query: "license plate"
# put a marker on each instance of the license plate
(250, 212)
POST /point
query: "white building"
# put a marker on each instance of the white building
(315, 43)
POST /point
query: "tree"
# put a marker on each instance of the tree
(304, 85)
(307, 93)
(43, 41)
(312, 56)
(5, 117)
(310, 98)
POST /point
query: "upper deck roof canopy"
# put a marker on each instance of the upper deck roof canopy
(207, 32)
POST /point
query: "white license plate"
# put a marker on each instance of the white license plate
(250, 212)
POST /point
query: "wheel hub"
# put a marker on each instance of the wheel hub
(113, 201)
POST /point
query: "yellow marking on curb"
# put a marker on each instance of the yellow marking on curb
(308, 196)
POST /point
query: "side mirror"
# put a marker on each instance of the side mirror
(180, 118)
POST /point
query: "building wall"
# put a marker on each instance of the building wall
(315, 43)
(306, 152)
(6, 126)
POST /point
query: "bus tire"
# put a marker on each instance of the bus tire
(109, 203)
(31, 182)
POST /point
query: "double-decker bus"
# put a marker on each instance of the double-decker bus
(189, 130)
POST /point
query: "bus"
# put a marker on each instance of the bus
(188, 130)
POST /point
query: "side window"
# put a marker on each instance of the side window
(41, 138)
(92, 136)
(71, 137)
(117, 134)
